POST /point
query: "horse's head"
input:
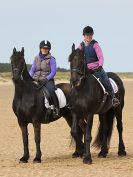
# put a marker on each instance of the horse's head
(77, 66)
(18, 64)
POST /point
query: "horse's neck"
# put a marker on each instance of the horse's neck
(24, 84)
(24, 87)
(19, 89)
(26, 76)
(87, 85)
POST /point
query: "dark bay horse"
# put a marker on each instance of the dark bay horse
(86, 98)
(28, 105)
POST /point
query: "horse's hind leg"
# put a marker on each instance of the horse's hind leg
(104, 149)
(121, 148)
(24, 131)
(37, 134)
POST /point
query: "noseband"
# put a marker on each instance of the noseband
(77, 70)
(21, 74)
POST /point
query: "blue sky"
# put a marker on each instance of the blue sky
(27, 22)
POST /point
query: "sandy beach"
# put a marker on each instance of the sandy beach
(56, 152)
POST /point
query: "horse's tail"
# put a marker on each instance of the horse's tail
(109, 122)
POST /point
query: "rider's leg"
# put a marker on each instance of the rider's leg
(51, 87)
(105, 81)
(56, 103)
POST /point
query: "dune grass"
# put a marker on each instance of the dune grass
(62, 76)
(126, 75)
(66, 75)
(6, 75)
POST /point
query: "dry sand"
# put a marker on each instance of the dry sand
(56, 158)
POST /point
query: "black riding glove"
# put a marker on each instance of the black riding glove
(100, 67)
(97, 70)
(43, 82)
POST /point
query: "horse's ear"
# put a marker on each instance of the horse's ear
(22, 51)
(73, 47)
(14, 50)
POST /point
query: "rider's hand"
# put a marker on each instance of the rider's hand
(100, 67)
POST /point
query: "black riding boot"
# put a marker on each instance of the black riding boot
(115, 101)
(56, 111)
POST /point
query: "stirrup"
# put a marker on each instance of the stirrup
(115, 102)
(56, 113)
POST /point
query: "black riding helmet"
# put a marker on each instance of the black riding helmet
(88, 30)
(45, 44)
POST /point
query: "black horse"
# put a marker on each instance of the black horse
(29, 105)
(86, 98)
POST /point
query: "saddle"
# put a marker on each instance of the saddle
(60, 95)
(113, 83)
(114, 86)
(48, 117)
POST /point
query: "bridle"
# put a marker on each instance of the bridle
(80, 70)
(21, 74)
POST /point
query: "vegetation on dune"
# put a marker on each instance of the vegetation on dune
(5, 72)
(125, 75)
(62, 74)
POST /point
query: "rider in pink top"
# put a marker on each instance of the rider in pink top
(94, 60)
(99, 54)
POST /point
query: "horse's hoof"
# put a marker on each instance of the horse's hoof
(37, 160)
(122, 153)
(102, 155)
(77, 154)
(87, 160)
(23, 160)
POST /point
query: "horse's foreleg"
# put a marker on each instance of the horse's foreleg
(79, 151)
(79, 148)
(37, 133)
(24, 131)
(75, 135)
(87, 158)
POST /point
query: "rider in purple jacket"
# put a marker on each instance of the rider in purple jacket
(43, 71)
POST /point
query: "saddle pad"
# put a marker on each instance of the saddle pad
(113, 83)
(61, 98)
